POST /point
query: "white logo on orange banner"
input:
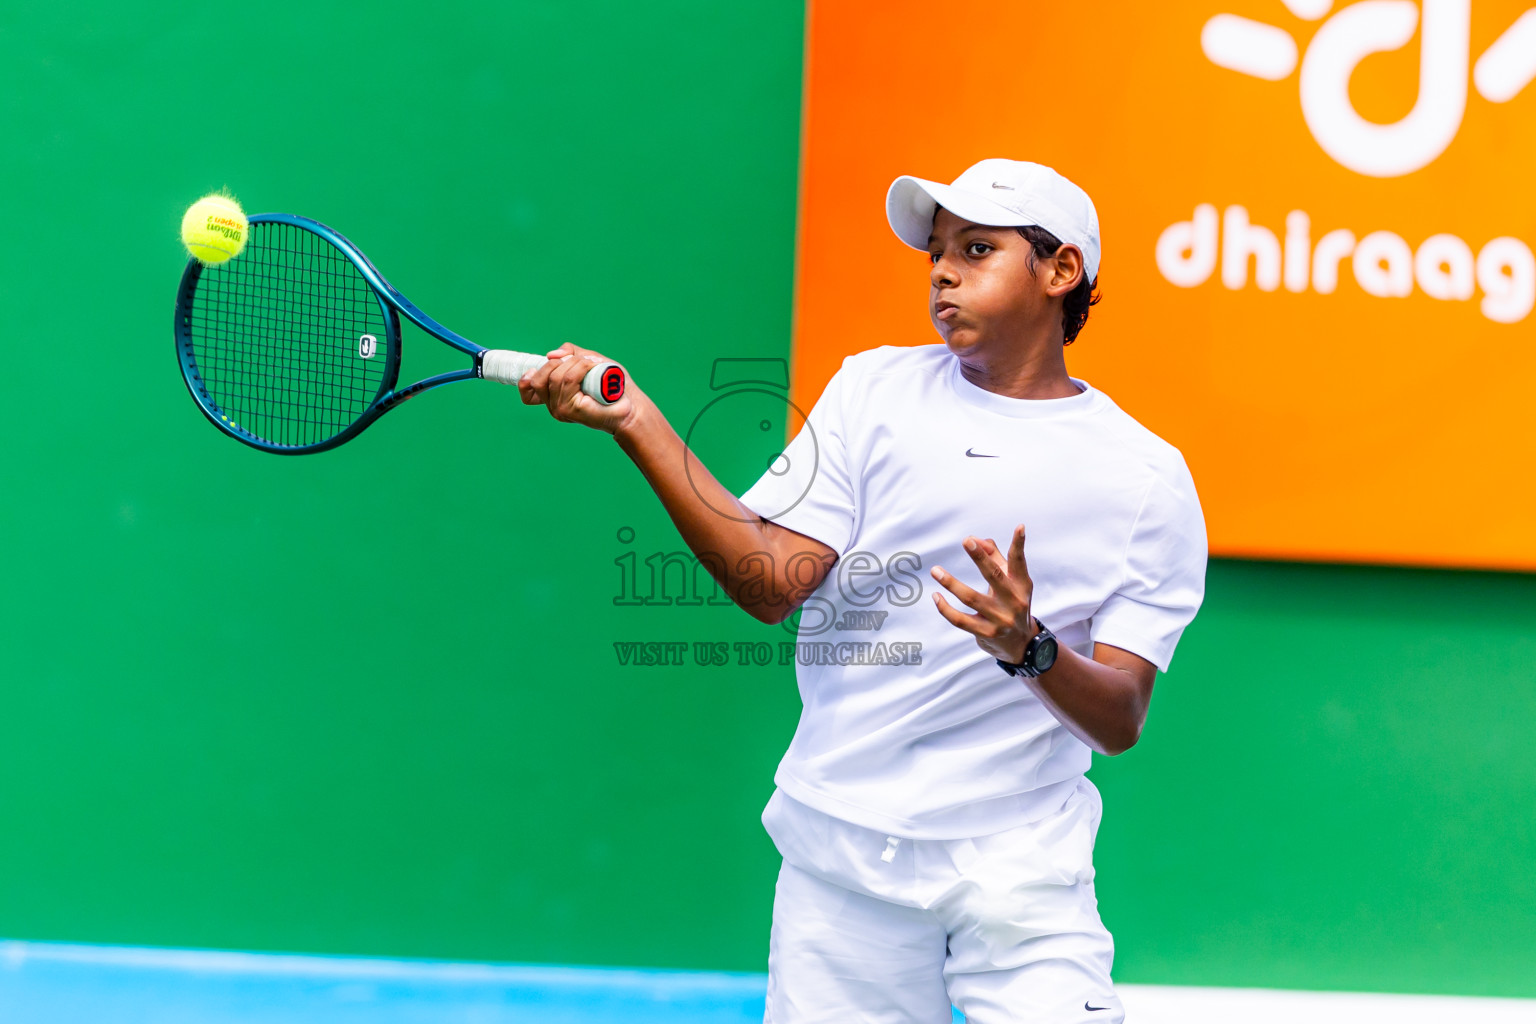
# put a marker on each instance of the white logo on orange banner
(1383, 263)
(1378, 26)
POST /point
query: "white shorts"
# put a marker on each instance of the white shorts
(871, 928)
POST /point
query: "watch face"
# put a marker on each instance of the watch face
(1045, 654)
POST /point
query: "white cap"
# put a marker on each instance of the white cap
(999, 193)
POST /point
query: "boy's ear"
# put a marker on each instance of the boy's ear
(1066, 271)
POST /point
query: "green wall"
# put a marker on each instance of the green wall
(367, 702)
(1336, 788)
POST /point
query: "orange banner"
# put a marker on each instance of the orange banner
(1317, 220)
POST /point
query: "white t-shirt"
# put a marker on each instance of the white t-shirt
(907, 726)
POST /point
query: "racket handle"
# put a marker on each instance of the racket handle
(603, 383)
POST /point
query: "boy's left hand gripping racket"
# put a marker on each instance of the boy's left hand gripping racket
(294, 345)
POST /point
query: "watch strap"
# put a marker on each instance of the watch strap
(1027, 667)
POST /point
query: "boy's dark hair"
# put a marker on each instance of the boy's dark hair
(1074, 311)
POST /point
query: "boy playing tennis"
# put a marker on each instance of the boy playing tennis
(936, 828)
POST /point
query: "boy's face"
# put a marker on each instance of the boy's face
(982, 295)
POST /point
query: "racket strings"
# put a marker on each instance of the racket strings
(278, 338)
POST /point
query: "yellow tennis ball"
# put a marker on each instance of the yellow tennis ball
(214, 229)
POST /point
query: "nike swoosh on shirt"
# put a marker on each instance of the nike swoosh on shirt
(977, 455)
(1090, 1009)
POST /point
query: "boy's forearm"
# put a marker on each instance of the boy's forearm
(765, 568)
(725, 544)
(1104, 706)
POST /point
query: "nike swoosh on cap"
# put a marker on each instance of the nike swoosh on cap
(977, 455)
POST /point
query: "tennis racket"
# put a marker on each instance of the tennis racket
(294, 345)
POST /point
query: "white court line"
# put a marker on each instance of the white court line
(1167, 1004)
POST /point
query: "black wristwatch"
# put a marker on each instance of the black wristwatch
(1039, 655)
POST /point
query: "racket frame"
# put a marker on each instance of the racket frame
(391, 302)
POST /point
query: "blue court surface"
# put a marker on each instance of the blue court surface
(53, 983)
(57, 983)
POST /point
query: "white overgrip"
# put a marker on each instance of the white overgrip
(603, 383)
(506, 367)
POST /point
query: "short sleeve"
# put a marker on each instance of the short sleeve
(809, 489)
(1163, 581)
